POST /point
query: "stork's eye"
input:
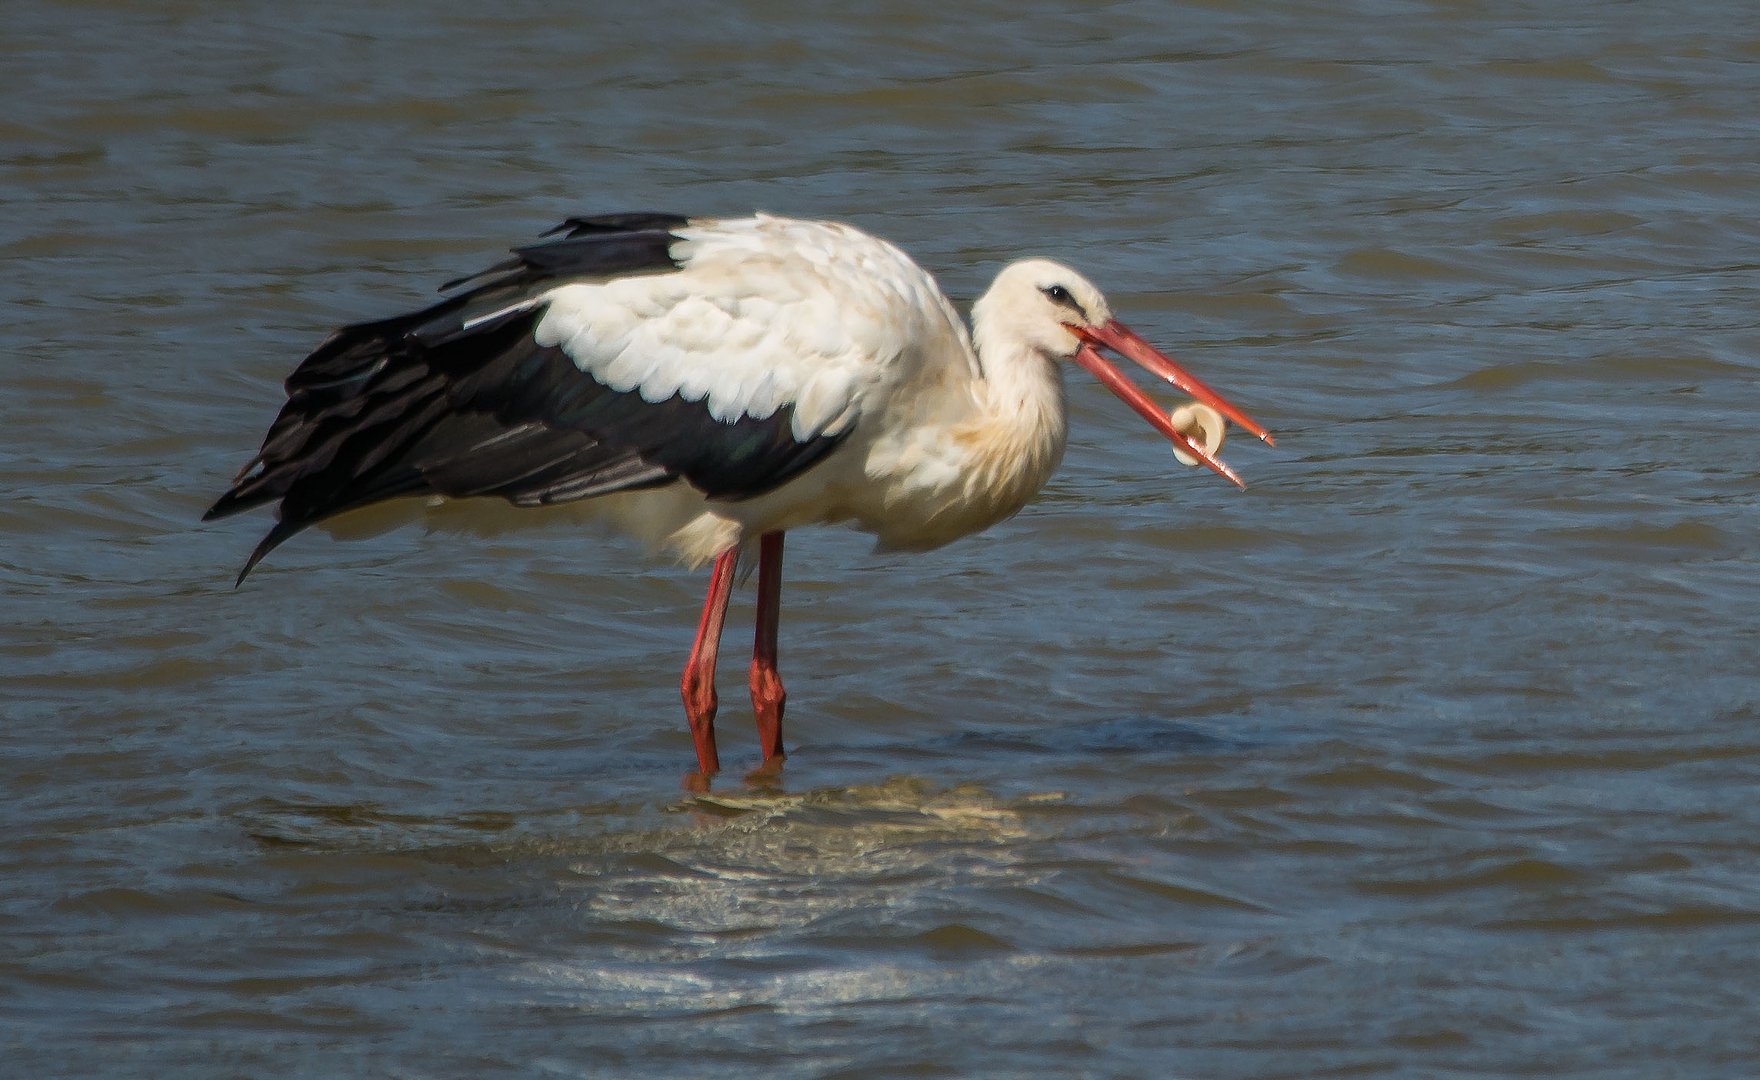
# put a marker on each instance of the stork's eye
(1057, 294)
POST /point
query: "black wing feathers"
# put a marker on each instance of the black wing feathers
(590, 247)
(458, 400)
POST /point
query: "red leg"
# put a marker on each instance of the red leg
(698, 686)
(768, 696)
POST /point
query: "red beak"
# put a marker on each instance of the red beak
(1125, 342)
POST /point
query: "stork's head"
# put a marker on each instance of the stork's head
(1040, 302)
(1058, 313)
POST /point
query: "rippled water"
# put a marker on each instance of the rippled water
(1430, 754)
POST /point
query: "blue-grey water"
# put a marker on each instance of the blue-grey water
(1433, 753)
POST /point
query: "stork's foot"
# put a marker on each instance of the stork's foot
(769, 774)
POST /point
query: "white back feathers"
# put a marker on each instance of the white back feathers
(765, 312)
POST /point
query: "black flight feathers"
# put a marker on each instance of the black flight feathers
(457, 400)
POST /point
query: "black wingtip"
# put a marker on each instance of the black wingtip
(249, 565)
(270, 541)
(235, 502)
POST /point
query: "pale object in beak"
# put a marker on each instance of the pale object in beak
(1120, 339)
(1200, 423)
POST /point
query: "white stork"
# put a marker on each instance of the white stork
(722, 381)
